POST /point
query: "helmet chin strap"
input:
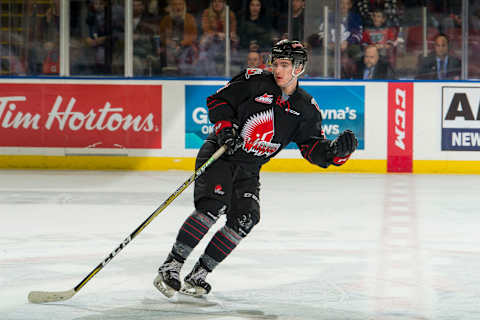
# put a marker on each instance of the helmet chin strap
(294, 77)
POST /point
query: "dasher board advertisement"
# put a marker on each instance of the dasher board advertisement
(342, 107)
(461, 118)
(81, 116)
(400, 127)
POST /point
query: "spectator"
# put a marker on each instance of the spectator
(212, 42)
(351, 30)
(178, 36)
(105, 29)
(373, 67)
(255, 25)
(213, 21)
(10, 63)
(391, 8)
(439, 65)
(474, 43)
(253, 46)
(350, 35)
(279, 8)
(156, 8)
(382, 36)
(143, 43)
(475, 18)
(298, 8)
(50, 27)
(254, 60)
(43, 55)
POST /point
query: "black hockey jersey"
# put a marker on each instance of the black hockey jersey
(267, 122)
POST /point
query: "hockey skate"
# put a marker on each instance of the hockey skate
(168, 279)
(195, 284)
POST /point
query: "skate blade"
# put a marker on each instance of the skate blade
(193, 291)
(164, 288)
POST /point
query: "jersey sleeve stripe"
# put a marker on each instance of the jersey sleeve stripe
(311, 150)
(210, 101)
(216, 105)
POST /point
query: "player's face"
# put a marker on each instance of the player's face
(282, 71)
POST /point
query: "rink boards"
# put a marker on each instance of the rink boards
(420, 127)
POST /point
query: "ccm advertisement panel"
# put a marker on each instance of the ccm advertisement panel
(400, 127)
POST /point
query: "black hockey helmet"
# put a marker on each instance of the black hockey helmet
(291, 50)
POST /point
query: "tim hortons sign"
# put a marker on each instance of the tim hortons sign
(80, 116)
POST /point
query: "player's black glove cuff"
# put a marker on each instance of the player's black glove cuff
(227, 134)
(343, 146)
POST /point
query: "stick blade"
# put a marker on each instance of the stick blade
(50, 296)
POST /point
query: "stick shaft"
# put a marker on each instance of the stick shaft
(43, 296)
(147, 221)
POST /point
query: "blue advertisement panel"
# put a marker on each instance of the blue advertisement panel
(197, 125)
(342, 107)
(461, 139)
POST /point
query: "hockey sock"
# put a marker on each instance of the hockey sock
(190, 234)
(221, 245)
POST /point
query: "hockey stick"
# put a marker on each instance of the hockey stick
(52, 296)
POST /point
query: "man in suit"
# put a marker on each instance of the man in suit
(372, 67)
(439, 65)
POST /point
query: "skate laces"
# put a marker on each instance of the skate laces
(199, 275)
(173, 267)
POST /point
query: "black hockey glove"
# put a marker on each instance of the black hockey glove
(227, 133)
(343, 146)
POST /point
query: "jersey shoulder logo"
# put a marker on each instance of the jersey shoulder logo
(265, 98)
(257, 134)
(251, 72)
(226, 85)
(315, 104)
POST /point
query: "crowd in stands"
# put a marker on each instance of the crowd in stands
(379, 39)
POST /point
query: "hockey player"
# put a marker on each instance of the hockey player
(256, 115)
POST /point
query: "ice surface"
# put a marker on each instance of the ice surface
(329, 246)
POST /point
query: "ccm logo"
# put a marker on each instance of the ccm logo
(400, 117)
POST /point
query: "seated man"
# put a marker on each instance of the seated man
(439, 65)
(372, 67)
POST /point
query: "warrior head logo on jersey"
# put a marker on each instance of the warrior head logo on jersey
(258, 133)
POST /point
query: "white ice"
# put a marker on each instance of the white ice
(329, 246)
